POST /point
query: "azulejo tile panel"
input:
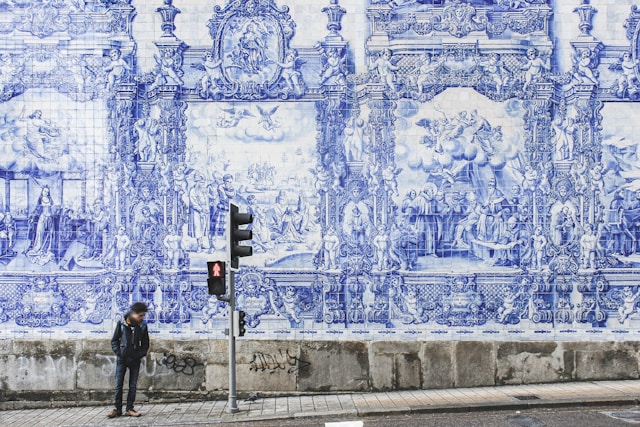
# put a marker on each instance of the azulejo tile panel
(460, 185)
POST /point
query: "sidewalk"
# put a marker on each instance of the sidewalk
(600, 393)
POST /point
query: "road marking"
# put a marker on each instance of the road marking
(631, 417)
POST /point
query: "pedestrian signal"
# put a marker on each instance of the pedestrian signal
(216, 277)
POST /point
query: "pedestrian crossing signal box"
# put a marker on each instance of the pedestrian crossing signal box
(216, 274)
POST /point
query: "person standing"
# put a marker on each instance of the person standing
(130, 343)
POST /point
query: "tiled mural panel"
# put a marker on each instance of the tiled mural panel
(457, 184)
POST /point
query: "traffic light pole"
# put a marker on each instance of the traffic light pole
(235, 235)
(233, 401)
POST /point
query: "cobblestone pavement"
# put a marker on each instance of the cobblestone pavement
(340, 405)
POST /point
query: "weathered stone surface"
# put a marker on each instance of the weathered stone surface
(394, 365)
(268, 366)
(170, 371)
(183, 346)
(39, 347)
(4, 377)
(6, 346)
(437, 364)
(394, 347)
(474, 364)
(216, 371)
(408, 367)
(39, 373)
(530, 362)
(610, 360)
(96, 372)
(309, 366)
(96, 346)
(334, 366)
(382, 371)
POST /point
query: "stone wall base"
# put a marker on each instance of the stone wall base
(56, 372)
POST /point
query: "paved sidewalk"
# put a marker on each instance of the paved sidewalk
(328, 407)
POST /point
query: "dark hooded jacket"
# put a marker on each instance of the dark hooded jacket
(130, 342)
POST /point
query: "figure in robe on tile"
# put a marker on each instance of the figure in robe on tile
(42, 229)
(426, 210)
(357, 223)
(252, 48)
(141, 218)
(408, 209)
(198, 210)
(284, 221)
(467, 228)
(261, 235)
(148, 225)
(226, 192)
(98, 226)
(563, 224)
(39, 136)
(11, 228)
(563, 217)
(491, 220)
(617, 226)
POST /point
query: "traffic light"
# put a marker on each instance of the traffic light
(237, 235)
(239, 323)
(216, 271)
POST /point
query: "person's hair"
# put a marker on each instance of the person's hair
(139, 307)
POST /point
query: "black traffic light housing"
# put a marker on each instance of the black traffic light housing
(216, 273)
(237, 235)
(240, 323)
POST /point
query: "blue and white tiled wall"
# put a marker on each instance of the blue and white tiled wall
(417, 169)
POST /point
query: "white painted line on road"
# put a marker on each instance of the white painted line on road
(345, 424)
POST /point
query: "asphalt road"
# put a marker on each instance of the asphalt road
(581, 417)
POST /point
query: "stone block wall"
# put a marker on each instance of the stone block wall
(45, 373)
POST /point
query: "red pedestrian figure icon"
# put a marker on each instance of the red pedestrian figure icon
(215, 270)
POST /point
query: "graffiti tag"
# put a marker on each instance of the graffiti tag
(281, 361)
(185, 365)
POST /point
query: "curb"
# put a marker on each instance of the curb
(440, 409)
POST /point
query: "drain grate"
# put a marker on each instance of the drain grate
(527, 397)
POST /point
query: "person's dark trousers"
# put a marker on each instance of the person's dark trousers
(134, 370)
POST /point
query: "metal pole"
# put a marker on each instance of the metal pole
(231, 286)
(233, 402)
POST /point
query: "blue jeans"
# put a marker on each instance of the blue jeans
(134, 370)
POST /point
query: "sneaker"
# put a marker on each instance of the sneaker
(132, 413)
(115, 412)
